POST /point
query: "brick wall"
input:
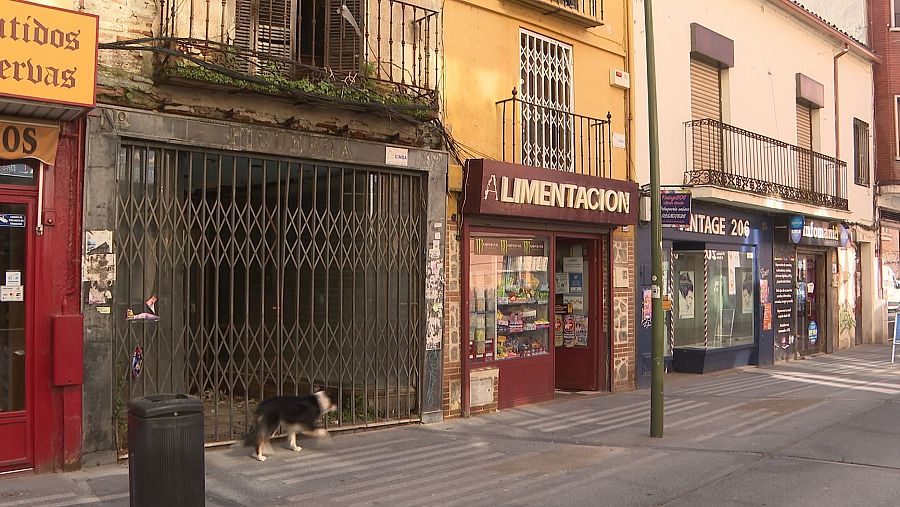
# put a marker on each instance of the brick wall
(623, 304)
(887, 84)
(452, 386)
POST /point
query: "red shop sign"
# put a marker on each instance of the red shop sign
(504, 189)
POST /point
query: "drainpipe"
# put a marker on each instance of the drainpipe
(837, 104)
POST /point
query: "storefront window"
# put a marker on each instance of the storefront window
(714, 298)
(509, 295)
(890, 265)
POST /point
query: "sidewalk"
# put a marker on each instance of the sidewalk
(820, 431)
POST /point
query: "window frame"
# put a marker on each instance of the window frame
(893, 24)
(538, 158)
(861, 153)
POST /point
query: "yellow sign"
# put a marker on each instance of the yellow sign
(28, 140)
(47, 54)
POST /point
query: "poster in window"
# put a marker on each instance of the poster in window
(576, 283)
(686, 294)
(747, 293)
(581, 335)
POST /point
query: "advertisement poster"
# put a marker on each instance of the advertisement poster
(573, 264)
(558, 330)
(767, 317)
(562, 283)
(576, 283)
(569, 330)
(747, 293)
(686, 295)
(647, 310)
(577, 302)
(581, 331)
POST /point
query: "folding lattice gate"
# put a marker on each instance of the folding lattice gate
(272, 276)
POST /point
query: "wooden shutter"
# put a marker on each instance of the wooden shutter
(706, 88)
(266, 28)
(343, 48)
(804, 140)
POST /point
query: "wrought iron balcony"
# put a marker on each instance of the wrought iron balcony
(587, 13)
(725, 156)
(390, 41)
(541, 136)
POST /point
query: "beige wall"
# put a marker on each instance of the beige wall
(759, 93)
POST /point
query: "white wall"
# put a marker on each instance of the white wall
(770, 47)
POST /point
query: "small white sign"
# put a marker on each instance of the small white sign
(11, 293)
(396, 156)
(573, 264)
(618, 140)
(14, 278)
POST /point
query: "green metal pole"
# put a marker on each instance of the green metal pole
(656, 376)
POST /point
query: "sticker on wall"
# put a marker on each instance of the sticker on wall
(132, 317)
(14, 278)
(12, 220)
(105, 310)
(647, 310)
(11, 293)
(812, 332)
(98, 242)
(151, 303)
(137, 363)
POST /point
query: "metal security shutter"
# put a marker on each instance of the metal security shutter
(545, 68)
(705, 91)
(804, 141)
(804, 126)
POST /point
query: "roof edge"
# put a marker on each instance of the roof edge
(816, 21)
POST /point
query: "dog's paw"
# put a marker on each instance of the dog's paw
(260, 457)
(296, 448)
(320, 432)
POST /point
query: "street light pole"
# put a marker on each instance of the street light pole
(658, 327)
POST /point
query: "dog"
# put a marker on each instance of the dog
(296, 414)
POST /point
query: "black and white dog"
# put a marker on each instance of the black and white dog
(296, 414)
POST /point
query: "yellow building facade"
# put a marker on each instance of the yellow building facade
(542, 206)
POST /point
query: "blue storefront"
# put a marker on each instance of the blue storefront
(718, 291)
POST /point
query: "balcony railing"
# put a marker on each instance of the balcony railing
(541, 136)
(391, 41)
(725, 156)
(587, 13)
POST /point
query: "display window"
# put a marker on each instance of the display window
(509, 291)
(714, 298)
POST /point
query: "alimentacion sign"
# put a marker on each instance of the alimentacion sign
(512, 190)
(47, 54)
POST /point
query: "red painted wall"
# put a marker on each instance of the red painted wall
(57, 410)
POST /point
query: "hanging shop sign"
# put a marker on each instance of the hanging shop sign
(504, 189)
(805, 231)
(28, 140)
(47, 54)
(675, 208)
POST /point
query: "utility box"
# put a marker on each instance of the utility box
(165, 451)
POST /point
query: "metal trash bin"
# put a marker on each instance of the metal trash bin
(165, 451)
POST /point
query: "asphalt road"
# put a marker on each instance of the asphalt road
(819, 432)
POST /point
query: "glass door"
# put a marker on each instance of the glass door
(575, 332)
(15, 338)
(810, 298)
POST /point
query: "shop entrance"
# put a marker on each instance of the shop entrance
(577, 306)
(15, 332)
(811, 294)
